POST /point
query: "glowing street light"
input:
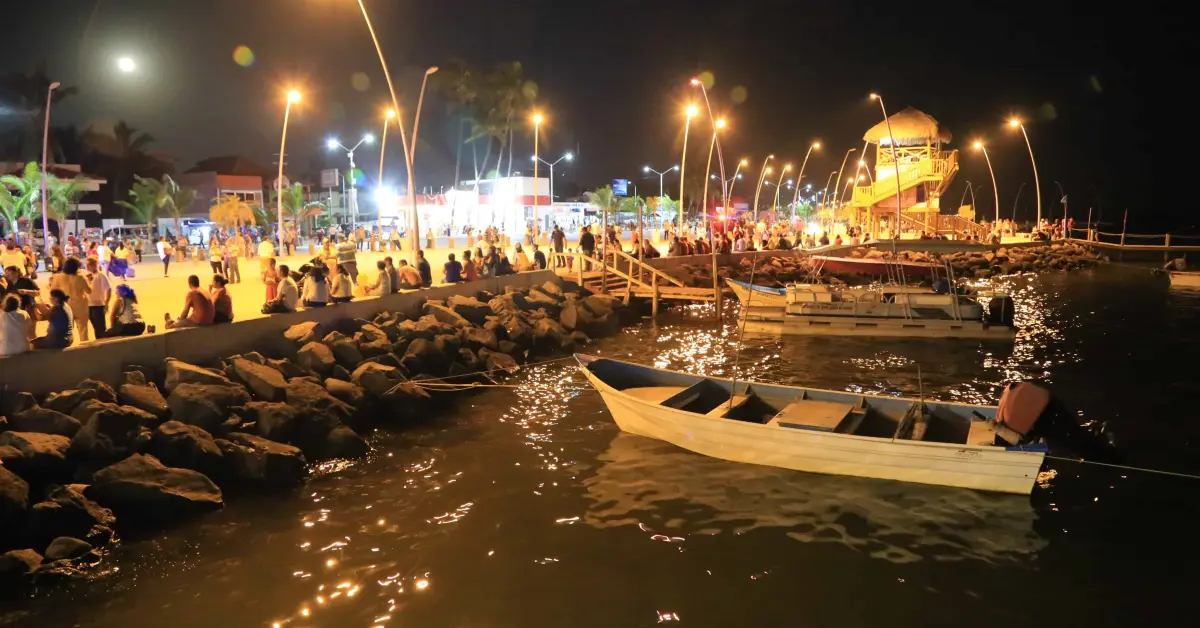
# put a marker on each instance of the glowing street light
(567, 156)
(690, 112)
(45, 149)
(995, 190)
(758, 188)
(840, 170)
(800, 176)
(1037, 187)
(717, 126)
(293, 97)
(537, 227)
(331, 144)
(387, 117)
(660, 176)
(825, 192)
(895, 162)
(126, 65)
(786, 169)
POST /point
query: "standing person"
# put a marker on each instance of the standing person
(125, 319)
(14, 325)
(558, 239)
(121, 258)
(78, 292)
(270, 279)
(12, 256)
(98, 298)
(587, 243)
(59, 333)
(266, 250)
(197, 308)
(452, 271)
(57, 258)
(181, 247)
(164, 253)
(346, 252)
(395, 238)
(424, 269)
(215, 256)
(429, 238)
(233, 251)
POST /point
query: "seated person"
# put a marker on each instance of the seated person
(410, 279)
(125, 319)
(316, 288)
(393, 273)
(342, 291)
(14, 325)
(197, 308)
(539, 259)
(452, 271)
(60, 333)
(288, 294)
(383, 281)
(222, 304)
(424, 270)
(523, 263)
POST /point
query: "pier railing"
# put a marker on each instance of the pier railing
(1167, 243)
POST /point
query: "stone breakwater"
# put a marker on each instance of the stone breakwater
(775, 270)
(171, 441)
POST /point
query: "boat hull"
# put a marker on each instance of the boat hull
(762, 297)
(780, 323)
(975, 467)
(874, 266)
(1178, 280)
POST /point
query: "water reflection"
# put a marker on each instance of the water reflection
(673, 494)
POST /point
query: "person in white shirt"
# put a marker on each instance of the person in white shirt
(14, 323)
(289, 293)
(103, 255)
(98, 298)
(12, 256)
(165, 251)
(343, 290)
(316, 288)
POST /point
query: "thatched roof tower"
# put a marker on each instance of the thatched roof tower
(911, 127)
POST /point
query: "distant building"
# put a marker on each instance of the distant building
(213, 178)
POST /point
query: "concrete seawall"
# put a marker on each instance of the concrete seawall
(42, 372)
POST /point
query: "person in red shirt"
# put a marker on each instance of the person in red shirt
(222, 304)
(197, 308)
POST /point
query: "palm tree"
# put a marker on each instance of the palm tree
(630, 204)
(147, 196)
(296, 204)
(28, 93)
(511, 97)
(124, 150)
(19, 195)
(62, 197)
(178, 199)
(603, 199)
(231, 210)
(458, 82)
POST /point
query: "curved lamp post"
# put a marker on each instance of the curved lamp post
(537, 227)
(895, 162)
(733, 180)
(690, 112)
(995, 190)
(1019, 189)
(391, 113)
(762, 175)
(292, 97)
(800, 176)
(1037, 187)
(840, 170)
(782, 172)
(717, 126)
(46, 149)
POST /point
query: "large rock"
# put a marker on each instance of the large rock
(446, 315)
(113, 432)
(376, 379)
(552, 289)
(347, 392)
(494, 361)
(600, 305)
(67, 400)
(409, 330)
(274, 421)
(469, 308)
(303, 333)
(183, 373)
(316, 357)
(538, 299)
(141, 489)
(346, 353)
(288, 369)
(267, 383)
(17, 564)
(370, 332)
(479, 338)
(177, 444)
(45, 421)
(43, 456)
(14, 502)
(423, 356)
(103, 391)
(509, 303)
(569, 317)
(518, 332)
(549, 336)
(144, 397)
(261, 462)
(66, 512)
(66, 548)
(206, 406)
(342, 442)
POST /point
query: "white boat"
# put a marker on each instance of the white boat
(824, 431)
(1184, 279)
(778, 297)
(881, 311)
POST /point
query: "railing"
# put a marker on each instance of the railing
(867, 195)
(1138, 241)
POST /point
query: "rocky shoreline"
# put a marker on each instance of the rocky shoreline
(171, 441)
(776, 270)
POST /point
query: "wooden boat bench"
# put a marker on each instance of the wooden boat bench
(820, 416)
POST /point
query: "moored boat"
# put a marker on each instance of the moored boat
(877, 267)
(824, 431)
(1184, 279)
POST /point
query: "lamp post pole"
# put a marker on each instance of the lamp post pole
(782, 172)
(690, 112)
(995, 190)
(762, 175)
(292, 97)
(537, 125)
(724, 194)
(1037, 187)
(825, 193)
(733, 180)
(660, 176)
(45, 175)
(718, 125)
(391, 113)
(895, 162)
(800, 176)
(839, 177)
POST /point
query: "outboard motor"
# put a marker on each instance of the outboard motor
(1001, 310)
(1027, 413)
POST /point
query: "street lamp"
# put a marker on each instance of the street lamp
(126, 65)
(293, 97)
(786, 169)
(762, 175)
(690, 112)
(800, 176)
(331, 144)
(825, 193)
(733, 180)
(717, 126)
(660, 176)
(567, 156)
(387, 117)
(840, 170)
(537, 125)
(1037, 187)
(46, 149)
(995, 190)
(895, 162)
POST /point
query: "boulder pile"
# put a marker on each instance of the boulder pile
(171, 442)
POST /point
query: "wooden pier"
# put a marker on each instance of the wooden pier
(620, 274)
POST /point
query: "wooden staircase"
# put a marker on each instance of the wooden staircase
(618, 273)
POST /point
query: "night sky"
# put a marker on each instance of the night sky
(1091, 82)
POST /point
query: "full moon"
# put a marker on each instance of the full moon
(125, 64)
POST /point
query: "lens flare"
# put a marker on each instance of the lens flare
(243, 56)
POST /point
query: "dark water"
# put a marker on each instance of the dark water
(526, 507)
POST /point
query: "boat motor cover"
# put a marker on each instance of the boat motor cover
(1021, 405)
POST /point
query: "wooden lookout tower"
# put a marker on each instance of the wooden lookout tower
(926, 169)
